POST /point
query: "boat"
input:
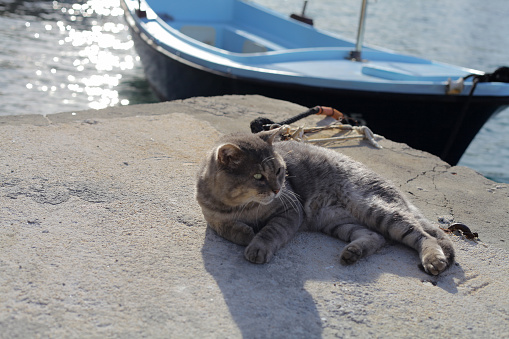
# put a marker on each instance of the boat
(217, 47)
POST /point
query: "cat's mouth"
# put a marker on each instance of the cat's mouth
(266, 200)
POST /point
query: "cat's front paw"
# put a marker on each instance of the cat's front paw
(351, 254)
(258, 253)
(243, 235)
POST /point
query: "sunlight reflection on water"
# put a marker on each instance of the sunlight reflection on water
(95, 45)
(71, 56)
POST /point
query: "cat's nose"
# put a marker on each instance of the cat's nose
(276, 191)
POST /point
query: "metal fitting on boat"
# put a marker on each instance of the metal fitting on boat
(454, 87)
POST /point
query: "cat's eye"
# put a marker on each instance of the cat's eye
(258, 176)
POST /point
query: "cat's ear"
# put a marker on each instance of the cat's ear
(229, 155)
(270, 136)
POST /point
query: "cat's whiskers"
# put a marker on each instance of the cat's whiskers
(281, 198)
(295, 198)
(291, 198)
(267, 159)
(294, 202)
(290, 192)
(288, 199)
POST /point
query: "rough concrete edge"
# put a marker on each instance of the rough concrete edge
(76, 116)
(280, 107)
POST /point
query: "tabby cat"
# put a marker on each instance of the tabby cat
(258, 192)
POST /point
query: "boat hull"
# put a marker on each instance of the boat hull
(441, 125)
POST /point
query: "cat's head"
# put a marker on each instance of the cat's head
(248, 169)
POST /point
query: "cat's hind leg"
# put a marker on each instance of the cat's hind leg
(412, 229)
(436, 252)
(361, 241)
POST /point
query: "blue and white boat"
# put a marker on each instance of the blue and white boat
(215, 47)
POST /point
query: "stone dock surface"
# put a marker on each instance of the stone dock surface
(101, 237)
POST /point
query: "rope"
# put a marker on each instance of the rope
(264, 124)
(501, 74)
(299, 133)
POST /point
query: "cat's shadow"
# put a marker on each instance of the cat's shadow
(271, 300)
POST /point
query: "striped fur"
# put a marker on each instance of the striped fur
(259, 194)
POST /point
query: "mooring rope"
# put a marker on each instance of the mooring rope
(501, 74)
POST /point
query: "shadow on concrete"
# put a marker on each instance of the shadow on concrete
(264, 300)
(272, 300)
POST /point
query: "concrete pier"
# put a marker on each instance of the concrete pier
(101, 237)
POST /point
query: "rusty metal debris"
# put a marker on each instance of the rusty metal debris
(463, 229)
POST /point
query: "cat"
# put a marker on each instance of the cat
(257, 191)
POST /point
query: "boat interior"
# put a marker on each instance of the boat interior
(248, 34)
(238, 27)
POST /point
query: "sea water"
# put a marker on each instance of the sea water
(60, 56)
